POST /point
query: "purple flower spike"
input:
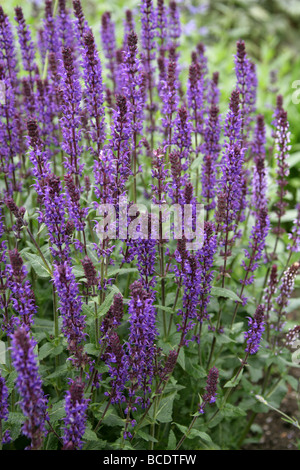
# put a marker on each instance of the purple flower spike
(3, 399)
(140, 346)
(246, 86)
(71, 311)
(259, 192)
(26, 44)
(94, 90)
(256, 327)
(29, 384)
(71, 113)
(210, 394)
(23, 300)
(108, 40)
(75, 421)
(210, 149)
(294, 236)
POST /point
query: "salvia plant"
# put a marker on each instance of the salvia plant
(146, 267)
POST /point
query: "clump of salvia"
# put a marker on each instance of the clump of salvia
(114, 309)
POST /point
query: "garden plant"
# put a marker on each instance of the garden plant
(148, 259)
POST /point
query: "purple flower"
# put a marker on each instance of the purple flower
(7, 49)
(269, 291)
(170, 100)
(65, 26)
(256, 327)
(55, 218)
(257, 242)
(81, 25)
(210, 149)
(259, 191)
(76, 415)
(23, 300)
(38, 156)
(33, 402)
(144, 249)
(109, 46)
(174, 27)
(92, 71)
(113, 317)
(285, 290)
(161, 27)
(206, 259)
(129, 26)
(77, 213)
(195, 99)
(3, 400)
(117, 362)
(140, 346)
(50, 34)
(246, 86)
(294, 236)
(118, 149)
(210, 394)
(70, 121)
(70, 303)
(26, 44)
(148, 34)
(9, 132)
(182, 135)
(282, 141)
(213, 92)
(133, 84)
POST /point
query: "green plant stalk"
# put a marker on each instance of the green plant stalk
(226, 396)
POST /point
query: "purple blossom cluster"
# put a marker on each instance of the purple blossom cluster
(29, 384)
(210, 394)
(75, 421)
(256, 327)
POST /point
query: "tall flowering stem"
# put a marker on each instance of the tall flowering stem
(109, 46)
(211, 149)
(71, 96)
(29, 384)
(70, 303)
(76, 415)
(282, 141)
(141, 349)
(209, 397)
(148, 25)
(26, 45)
(94, 90)
(133, 90)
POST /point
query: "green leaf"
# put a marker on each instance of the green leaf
(234, 381)
(164, 309)
(194, 433)
(57, 412)
(171, 441)
(146, 436)
(2, 352)
(230, 411)
(106, 304)
(49, 349)
(165, 410)
(121, 271)
(37, 264)
(196, 163)
(222, 292)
